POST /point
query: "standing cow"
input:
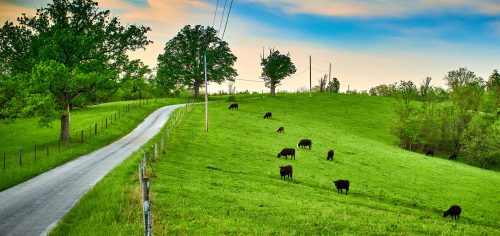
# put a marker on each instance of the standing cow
(286, 171)
(287, 152)
(329, 155)
(233, 106)
(341, 184)
(305, 143)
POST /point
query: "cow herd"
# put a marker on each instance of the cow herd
(287, 171)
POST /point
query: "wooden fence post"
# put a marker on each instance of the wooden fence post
(21, 158)
(95, 129)
(106, 122)
(82, 135)
(156, 151)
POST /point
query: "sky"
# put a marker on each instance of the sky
(368, 43)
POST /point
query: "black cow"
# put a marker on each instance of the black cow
(286, 171)
(287, 152)
(454, 212)
(453, 156)
(268, 115)
(305, 142)
(233, 106)
(342, 184)
(429, 153)
(329, 156)
(281, 129)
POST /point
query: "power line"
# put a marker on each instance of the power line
(215, 15)
(222, 16)
(227, 18)
(249, 80)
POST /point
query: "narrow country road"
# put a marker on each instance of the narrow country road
(35, 206)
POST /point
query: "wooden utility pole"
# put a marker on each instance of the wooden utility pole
(310, 76)
(330, 72)
(206, 92)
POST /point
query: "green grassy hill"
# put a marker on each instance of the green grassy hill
(227, 181)
(24, 134)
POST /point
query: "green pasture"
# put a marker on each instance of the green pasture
(23, 134)
(226, 181)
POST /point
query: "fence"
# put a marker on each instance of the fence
(151, 154)
(29, 155)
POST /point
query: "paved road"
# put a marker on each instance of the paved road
(35, 206)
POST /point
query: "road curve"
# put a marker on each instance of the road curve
(35, 206)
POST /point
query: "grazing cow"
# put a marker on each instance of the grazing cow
(287, 152)
(342, 184)
(268, 115)
(281, 129)
(429, 153)
(329, 156)
(305, 142)
(286, 171)
(454, 212)
(453, 156)
(233, 106)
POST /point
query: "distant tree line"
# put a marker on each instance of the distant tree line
(465, 118)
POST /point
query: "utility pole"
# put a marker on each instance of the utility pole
(206, 92)
(310, 77)
(330, 72)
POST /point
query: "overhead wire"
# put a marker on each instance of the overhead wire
(222, 16)
(215, 15)
(227, 18)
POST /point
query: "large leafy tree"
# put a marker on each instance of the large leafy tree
(275, 68)
(69, 51)
(182, 65)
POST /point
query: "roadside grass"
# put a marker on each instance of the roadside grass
(226, 181)
(24, 134)
(114, 205)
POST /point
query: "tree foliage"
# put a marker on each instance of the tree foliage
(458, 121)
(182, 63)
(333, 86)
(69, 51)
(493, 86)
(275, 68)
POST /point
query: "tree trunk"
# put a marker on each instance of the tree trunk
(196, 91)
(65, 121)
(273, 89)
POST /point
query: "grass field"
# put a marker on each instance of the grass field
(24, 134)
(227, 181)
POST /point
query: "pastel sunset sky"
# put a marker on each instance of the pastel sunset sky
(367, 42)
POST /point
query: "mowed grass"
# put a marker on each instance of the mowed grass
(24, 134)
(226, 181)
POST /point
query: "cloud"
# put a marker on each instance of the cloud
(367, 8)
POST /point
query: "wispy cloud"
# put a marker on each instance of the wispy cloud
(368, 8)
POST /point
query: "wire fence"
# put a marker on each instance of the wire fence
(41, 152)
(151, 154)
